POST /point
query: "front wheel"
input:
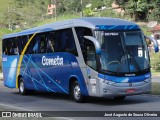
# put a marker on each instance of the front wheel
(22, 89)
(76, 92)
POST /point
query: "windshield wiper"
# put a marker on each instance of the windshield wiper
(135, 63)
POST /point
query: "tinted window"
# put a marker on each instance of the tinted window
(81, 32)
(56, 41)
(51, 42)
(23, 42)
(11, 46)
(64, 41)
(90, 55)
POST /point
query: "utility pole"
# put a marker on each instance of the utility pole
(81, 8)
(52, 8)
(9, 22)
(55, 10)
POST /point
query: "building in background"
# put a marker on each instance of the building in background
(156, 33)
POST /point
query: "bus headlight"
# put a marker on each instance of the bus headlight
(108, 82)
(147, 80)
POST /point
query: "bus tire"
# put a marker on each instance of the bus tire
(76, 92)
(120, 98)
(22, 89)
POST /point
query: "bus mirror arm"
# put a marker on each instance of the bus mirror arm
(95, 42)
(156, 47)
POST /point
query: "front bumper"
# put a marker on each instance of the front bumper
(124, 89)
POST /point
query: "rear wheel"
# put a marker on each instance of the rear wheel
(22, 89)
(76, 92)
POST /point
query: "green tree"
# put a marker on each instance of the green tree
(27, 11)
(154, 10)
(137, 9)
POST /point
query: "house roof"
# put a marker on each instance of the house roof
(156, 28)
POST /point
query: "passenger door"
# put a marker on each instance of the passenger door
(91, 62)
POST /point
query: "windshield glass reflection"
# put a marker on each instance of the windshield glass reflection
(123, 52)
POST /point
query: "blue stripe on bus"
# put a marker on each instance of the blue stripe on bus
(117, 27)
(39, 82)
(46, 75)
(132, 27)
(26, 69)
(113, 27)
(39, 74)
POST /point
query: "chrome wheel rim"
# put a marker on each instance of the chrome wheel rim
(21, 87)
(77, 92)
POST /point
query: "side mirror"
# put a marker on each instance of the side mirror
(95, 42)
(156, 46)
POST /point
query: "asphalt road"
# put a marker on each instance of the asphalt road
(155, 78)
(10, 98)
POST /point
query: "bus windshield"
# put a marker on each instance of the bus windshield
(123, 52)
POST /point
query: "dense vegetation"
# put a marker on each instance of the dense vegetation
(26, 13)
(146, 10)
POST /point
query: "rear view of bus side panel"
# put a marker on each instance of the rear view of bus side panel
(10, 59)
(9, 64)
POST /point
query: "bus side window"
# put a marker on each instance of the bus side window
(11, 46)
(5, 46)
(30, 46)
(57, 36)
(64, 41)
(71, 43)
(35, 47)
(14, 49)
(51, 43)
(8, 44)
(90, 55)
(24, 40)
(42, 43)
(81, 32)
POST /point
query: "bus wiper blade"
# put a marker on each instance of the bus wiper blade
(135, 63)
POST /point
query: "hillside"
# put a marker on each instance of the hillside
(3, 6)
(23, 14)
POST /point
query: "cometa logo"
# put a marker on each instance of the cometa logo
(52, 61)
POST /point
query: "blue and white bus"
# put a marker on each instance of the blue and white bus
(101, 57)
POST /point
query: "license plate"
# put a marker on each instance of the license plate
(130, 90)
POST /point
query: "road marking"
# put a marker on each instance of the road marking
(10, 106)
(14, 107)
(65, 118)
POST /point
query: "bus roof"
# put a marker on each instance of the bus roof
(99, 23)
